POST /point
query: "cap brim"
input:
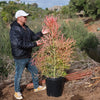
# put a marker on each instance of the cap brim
(26, 14)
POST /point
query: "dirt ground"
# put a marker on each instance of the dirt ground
(70, 92)
(73, 90)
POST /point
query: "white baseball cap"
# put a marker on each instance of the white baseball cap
(20, 13)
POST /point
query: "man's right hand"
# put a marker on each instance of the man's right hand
(39, 43)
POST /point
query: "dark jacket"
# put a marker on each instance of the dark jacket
(22, 40)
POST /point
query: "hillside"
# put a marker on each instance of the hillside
(83, 77)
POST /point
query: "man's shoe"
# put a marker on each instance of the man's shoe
(40, 88)
(18, 95)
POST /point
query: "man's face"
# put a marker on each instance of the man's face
(23, 19)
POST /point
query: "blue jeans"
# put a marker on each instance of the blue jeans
(20, 65)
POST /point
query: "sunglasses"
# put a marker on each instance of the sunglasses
(25, 16)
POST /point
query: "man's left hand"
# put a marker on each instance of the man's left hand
(45, 31)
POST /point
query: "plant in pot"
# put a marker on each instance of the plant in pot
(54, 56)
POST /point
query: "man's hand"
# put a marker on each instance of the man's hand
(39, 43)
(45, 31)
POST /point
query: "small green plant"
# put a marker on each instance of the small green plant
(54, 56)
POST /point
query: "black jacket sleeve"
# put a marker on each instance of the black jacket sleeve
(17, 40)
(36, 36)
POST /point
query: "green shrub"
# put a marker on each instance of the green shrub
(90, 41)
(6, 66)
(91, 8)
(77, 30)
(5, 48)
(3, 70)
(67, 12)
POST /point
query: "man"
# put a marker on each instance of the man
(22, 41)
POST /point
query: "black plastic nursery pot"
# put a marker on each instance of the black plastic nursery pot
(55, 86)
